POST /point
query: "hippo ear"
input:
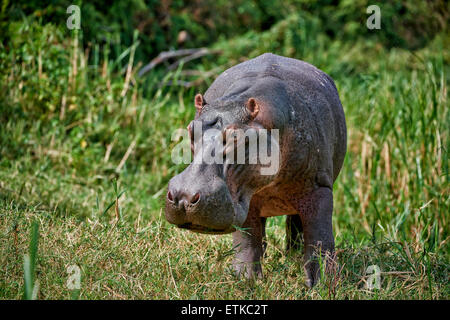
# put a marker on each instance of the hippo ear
(199, 102)
(252, 107)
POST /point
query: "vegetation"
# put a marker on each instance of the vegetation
(85, 147)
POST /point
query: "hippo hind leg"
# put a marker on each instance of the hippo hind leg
(315, 212)
(294, 231)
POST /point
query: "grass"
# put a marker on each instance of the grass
(85, 159)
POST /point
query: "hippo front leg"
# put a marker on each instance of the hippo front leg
(315, 212)
(248, 245)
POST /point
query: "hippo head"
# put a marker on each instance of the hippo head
(212, 195)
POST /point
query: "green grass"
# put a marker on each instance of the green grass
(68, 118)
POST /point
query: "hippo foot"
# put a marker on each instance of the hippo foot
(248, 270)
(312, 267)
(312, 273)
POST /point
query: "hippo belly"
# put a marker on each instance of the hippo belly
(274, 206)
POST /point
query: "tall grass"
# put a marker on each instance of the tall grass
(31, 285)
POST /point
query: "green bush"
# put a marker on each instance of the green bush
(408, 24)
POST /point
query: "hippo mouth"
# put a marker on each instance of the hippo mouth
(202, 229)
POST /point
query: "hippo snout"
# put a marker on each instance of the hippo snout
(199, 204)
(181, 200)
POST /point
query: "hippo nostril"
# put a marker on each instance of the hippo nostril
(169, 196)
(195, 198)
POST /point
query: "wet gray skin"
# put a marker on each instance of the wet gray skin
(268, 92)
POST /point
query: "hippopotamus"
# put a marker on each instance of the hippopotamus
(302, 103)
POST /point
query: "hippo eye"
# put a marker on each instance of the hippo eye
(213, 123)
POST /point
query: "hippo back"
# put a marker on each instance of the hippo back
(292, 71)
(313, 101)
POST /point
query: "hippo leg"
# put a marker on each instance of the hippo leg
(315, 212)
(294, 231)
(248, 244)
(264, 240)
